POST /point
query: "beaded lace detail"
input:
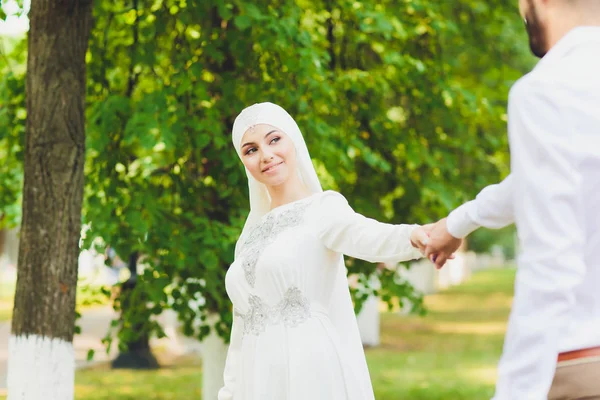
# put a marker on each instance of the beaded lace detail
(292, 310)
(264, 233)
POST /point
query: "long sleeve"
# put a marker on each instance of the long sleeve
(492, 208)
(550, 225)
(347, 232)
(231, 364)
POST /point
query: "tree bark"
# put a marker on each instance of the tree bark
(41, 357)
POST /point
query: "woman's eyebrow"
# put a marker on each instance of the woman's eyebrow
(252, 143)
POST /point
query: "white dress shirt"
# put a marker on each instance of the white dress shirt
(553, 195)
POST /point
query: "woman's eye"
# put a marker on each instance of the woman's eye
(275, 139)
(251, 150)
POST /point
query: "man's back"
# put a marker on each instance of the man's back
(569, 78)
(578, 74)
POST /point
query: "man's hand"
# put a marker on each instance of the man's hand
(441, 244)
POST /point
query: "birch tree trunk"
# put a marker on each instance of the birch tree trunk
(41, 358)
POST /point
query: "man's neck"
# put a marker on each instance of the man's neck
(567, 20)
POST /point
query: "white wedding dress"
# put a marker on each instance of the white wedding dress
(294, 335)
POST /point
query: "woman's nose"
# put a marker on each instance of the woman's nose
(267, 156)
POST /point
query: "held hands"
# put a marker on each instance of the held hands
(419, 238)
(435, 242)
(441, 245)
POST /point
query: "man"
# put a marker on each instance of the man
(552, 347)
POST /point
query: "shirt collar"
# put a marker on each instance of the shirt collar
(573, 38)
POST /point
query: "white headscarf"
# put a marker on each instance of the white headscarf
(340, 310)
(274, 115)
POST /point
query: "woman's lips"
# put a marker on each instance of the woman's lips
(272, 167)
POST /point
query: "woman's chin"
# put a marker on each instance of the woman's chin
(275, 181)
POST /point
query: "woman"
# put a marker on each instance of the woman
(294, 333)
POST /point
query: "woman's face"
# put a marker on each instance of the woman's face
(269, 154)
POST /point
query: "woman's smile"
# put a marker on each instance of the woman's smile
(272, 168)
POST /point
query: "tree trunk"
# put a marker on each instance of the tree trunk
(2, 235)
(41, 357)
(138, 354)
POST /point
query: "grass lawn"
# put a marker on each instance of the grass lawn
(450, 354)
(173, 382)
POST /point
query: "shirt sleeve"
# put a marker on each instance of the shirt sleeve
(344, 231)
(233, 360)
(550, 227)
(492, 208)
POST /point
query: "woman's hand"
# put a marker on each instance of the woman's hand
(419, 238)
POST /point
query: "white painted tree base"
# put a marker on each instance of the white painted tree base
(368, 317)
(368, 322)
(40, 368)
(214, 354)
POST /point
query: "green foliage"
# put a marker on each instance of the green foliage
(402, 105)
(392, 289)
(483, 241)
(12, 129)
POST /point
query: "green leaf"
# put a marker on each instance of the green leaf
(210, 260)
(202, 140)
(243, 22)
(253, 11)
(224, 10)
